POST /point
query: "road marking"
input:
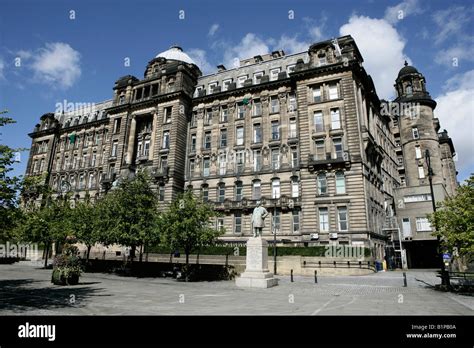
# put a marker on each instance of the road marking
(465, 304)
(324, 306)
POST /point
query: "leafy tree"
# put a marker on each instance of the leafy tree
(129, 214)
(454, 221)
(9, 186)
(46, 223)
(186, 225)
(84, 221)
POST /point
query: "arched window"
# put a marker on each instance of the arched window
(340, 183)
(322, 184)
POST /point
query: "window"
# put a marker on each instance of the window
(417, 152)
(256, 190)
(238, 191)
(322, 61)
(422, 224)
(335, 119)
(241, 80)
(275, 130)
(224, 114)
(41, 168)
(257, 107)
(81, 181)
(75, 162)
(323, 219)
(318, 121)
(415, 133)
(257, 76)
(220, 224)
(205, 193)
(240, 135)
(139, 148)
(222, 163)
(166, 140)
(206, 166)
(192, 166)
(317, 94)
(114, 148)
(193, 142)
(294, 157)
(421, 172)
(257, 133)
(225, 84)
(291, 102)
(208, 117)
(409, 90)
(406, 228)
(295, 188)
(237, 222)
(198, 90)
(84, 160)
(257, 160)
(97, 138)
(168, 112)
(207, 140)
(161, 193)
(194, 120)
(290, 68)
(211, 86)
(240, 161)
(274, 74)
(333, 93)
(221, 193)
(223, 138)
(342, 218)
(240, 111)
(146, 150)
(274, 105)
(163, 163)
(117, 123)
(338, 147)
(340, 183)
(320, 150)
(93, 159)
(275, 159)
(91, 180)
(276, 220)
(322, 184)
(295, 214)
(276, 188)
(292, 132)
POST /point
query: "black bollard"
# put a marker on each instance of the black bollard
(292, 276)
(315, 276)
(404, 280)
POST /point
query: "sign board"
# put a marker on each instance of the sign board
(446, 256)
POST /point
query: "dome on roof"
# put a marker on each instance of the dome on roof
(407, 70)
(176, 53)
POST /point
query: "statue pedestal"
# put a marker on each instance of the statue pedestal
(256, 273)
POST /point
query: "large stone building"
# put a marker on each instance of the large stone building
(304, 133)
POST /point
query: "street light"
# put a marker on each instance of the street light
(430, 179)
(274, 239)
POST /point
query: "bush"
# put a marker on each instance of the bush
(67, 267)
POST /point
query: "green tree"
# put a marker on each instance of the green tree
(9, 186)
(47, 223)
(454, 221)
(84, 223)
(129, 214)
(187, 225)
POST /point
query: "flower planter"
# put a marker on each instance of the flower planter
(59, 279)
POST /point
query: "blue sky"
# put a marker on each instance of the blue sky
(77, 56)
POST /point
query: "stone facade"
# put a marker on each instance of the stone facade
(303, 133)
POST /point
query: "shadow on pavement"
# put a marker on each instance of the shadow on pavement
(24, 295)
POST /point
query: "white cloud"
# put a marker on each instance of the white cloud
(291, 44)
(2, 67)
(454, 110)
(451, 22)
(250, 45)
(56, 64)
(382, 49)
(404, 9)
(213, 29)
(199, 56)
(457, 53)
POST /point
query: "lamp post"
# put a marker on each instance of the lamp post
(430, 179)
(274, 239)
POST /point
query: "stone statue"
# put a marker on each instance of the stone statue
(258, 216)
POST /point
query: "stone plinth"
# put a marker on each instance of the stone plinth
(256, 273)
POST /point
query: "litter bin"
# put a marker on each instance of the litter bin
(378, 266)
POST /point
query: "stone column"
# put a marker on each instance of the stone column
(131, 140)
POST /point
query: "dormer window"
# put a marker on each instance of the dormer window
(257, 76)
(274, 74)
(409, 90)
(212, 85)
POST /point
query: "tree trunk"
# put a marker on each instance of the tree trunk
(187, 265)
(46, 253)
(141, 254)
(132, 253)
(88, 252)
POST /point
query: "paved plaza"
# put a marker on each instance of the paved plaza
(26, 289)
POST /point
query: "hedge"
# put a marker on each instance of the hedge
(319, 250)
